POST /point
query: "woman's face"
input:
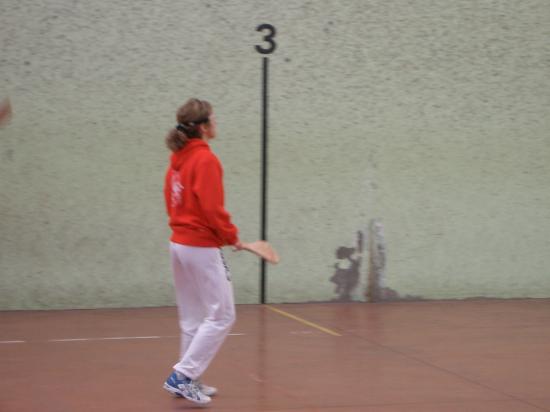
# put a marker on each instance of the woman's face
(209, 130)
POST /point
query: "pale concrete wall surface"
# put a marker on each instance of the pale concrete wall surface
(424, 126)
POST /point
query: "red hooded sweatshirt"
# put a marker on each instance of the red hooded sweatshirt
(194, 196)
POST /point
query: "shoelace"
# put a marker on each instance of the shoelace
(194, 389)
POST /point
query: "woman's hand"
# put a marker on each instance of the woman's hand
(237, 246)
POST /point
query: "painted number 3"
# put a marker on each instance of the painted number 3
(268, 38)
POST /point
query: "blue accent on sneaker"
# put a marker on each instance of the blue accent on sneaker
(173, 381)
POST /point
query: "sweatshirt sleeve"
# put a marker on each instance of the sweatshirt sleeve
(208, 187)
(168, 190)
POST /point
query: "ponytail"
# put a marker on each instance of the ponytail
(175, 140)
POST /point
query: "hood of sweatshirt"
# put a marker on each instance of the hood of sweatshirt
(178, 158)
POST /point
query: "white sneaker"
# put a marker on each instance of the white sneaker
(181, 385)
(207, 390)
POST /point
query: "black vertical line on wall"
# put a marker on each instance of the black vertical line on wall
(263, 234)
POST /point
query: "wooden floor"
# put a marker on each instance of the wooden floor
(467, 356)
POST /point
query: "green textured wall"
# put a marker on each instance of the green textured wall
(430, 116)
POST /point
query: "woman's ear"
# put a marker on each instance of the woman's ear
(204, 128)
(208, 130)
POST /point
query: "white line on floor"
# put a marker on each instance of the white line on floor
(110, 338)
(106, 338)
(255, 377)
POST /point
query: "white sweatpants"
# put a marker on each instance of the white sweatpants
(206, 308)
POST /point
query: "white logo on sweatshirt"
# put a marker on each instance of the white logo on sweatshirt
(177, 188)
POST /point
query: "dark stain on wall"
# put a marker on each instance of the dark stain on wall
(347, 269)
(347, 278)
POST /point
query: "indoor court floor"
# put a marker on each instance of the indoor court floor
(431, 356)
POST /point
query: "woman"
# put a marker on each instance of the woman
(200, 227)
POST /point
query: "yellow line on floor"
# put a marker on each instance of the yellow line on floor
(305, 322)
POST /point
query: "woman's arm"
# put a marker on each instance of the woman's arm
(208, 187)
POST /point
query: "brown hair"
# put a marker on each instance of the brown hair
(189, 117)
